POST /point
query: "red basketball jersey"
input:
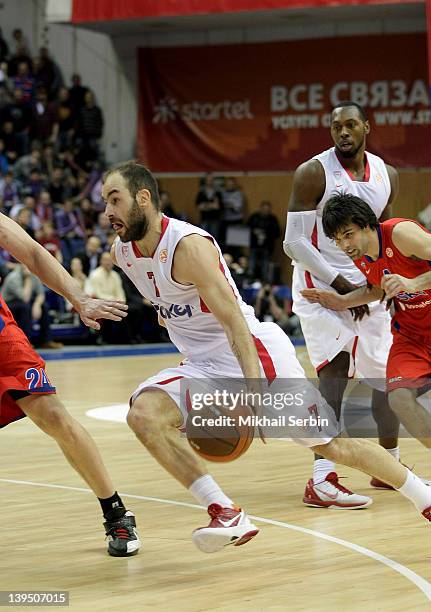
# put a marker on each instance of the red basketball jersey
(412, 310)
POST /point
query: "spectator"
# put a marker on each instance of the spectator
(233, 202)
(20, 42)
(77, 272)
(9, 190)
(209, 203)
(89, 128)
(44, 119)
(265, 230)
(103, 229)
(269, 307)
(77, 93)
(48, 160)
(71, 230)
(11, 142)
(90, 256)
(49, 239)
(52, 68)
(18, 111)
(166, 205)
(25, 296)
(24, 82)
(88, 216)
(30, 204)
(105, 283)
(57, 187)
(21, 55)
(35, 185)
(44, 207)
(25, 165)
(66, 118)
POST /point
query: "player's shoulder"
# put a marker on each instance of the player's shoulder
(312, 169)
(325, 156)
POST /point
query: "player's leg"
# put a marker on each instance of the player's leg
(156, 419)
(373, 459)
(324, 490)
(49, 414)
(330, 337)
(387, 422)
(408, 370)
(415, 418)
(373, 346)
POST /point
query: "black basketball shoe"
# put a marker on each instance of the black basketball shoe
(122, 535)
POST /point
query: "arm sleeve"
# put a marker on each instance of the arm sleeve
(298, 246)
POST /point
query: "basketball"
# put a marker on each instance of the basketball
(219, 434)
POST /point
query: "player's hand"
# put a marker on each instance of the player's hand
(359, 312)
(395, 283)
(328, 299)
(91, 309)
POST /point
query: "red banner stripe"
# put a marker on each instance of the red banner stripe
(102, 10)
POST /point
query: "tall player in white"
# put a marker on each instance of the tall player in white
(179, 267)
(353, 343)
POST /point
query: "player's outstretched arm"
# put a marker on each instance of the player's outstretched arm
(26, 250)
(196, 262)
(335, 301)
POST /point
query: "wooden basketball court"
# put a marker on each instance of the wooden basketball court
(303, 559)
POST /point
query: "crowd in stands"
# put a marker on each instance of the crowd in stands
(51, 166)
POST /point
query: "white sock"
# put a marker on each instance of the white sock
(416, 491)
(395, 452)
(206, 491)
(322, 467)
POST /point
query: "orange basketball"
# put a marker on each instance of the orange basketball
(219, 434)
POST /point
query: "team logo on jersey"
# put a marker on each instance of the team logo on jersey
(379, 178)
(163, 255)
(337, 174)
(125, 250)
(389, 252)
(174, 311)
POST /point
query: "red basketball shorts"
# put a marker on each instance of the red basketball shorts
(21, 369)
(409, 363)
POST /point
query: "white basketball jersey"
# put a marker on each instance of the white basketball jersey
(374, 189)
(191, 326)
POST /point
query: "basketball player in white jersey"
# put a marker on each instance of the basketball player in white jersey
(353, 343)
(179, 267)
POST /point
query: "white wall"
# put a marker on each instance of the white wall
(109, 66)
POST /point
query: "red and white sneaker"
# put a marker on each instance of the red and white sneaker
(379, 484)
(331, 494)
(227, 526)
